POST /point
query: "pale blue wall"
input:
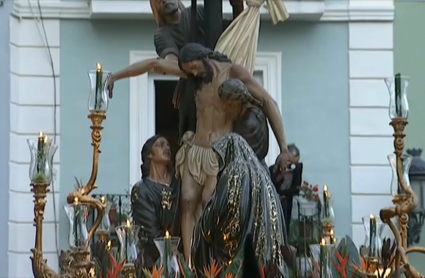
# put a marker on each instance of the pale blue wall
(314, 96)
(4, 133)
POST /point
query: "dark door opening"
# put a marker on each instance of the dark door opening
(166, 116)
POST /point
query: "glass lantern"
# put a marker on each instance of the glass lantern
(407, 161)
(322, 259)
(77, 216)
(167, 247)
(98, 100)
(42, 152)
(371, 249)
(397, 88)
(129, 242)
(327, 216)
(105, 225)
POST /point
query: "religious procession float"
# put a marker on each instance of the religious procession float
(229, 214)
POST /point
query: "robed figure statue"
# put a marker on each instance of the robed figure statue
(155, 198)
(245, 202)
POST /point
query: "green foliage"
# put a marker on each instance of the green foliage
(187, 272)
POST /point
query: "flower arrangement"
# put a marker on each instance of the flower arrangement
(310, 192)
(347, 262)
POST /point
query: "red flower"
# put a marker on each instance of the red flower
(316, 188)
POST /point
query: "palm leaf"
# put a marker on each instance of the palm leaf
(187, 272)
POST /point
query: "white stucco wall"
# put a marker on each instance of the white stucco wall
(32, 99)
(31, 111)
(371, 60)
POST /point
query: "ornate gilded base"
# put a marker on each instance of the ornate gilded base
(129, 271)
(81, 263)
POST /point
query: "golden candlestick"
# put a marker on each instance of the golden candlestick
(76, 263)
(405, 202)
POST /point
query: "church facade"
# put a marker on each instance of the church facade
(324, 67)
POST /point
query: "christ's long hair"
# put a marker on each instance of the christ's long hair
(196, 52)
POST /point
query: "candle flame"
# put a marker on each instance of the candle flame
(99, 67)
(381, 273)
(325, 188)
(323, 242)
(332, 232)
(167, 234)
(372, 216)
(92, 272)
(102, 199)
(40, 135)
(108, 246)
(76, 201)
(128, 224)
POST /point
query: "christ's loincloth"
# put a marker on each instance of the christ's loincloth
(201, 162)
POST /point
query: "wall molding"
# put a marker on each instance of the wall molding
(142, 108)
(370, 61)
(31, 110)
(310, 10)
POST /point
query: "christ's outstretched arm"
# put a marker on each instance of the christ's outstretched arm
(156, 65)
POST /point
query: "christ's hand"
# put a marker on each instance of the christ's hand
(281, 165)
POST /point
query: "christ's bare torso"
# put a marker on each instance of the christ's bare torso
(212, 118)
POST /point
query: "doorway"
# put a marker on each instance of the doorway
(166, 116)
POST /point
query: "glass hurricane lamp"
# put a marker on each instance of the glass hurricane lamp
(407, 161)
(77, 217)
(98, 100)
(397, 88)
(42, 151)
(105, 225)
(128, 236)
(371, 249)
(167, 247)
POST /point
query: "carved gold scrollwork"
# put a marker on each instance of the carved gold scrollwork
(75, 264)
(404, 202)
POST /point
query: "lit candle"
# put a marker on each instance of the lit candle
(381, 273)
(76, 220)
(108, 246)
(167, 242)
(332, 237)
(99, 81)
(325, 201)
(40, 152)
(372, 235)
(127, 233)
(397, 85)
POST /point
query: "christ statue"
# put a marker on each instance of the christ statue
(196, 162)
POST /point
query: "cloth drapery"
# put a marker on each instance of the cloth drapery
(239, 41)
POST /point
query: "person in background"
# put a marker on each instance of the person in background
(289, 187)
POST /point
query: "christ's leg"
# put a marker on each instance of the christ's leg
(209, 187)
(190, 200)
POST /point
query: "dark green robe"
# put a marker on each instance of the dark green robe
(155, 209)
(245, 202)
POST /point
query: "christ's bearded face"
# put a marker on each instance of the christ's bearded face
(199, 68)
